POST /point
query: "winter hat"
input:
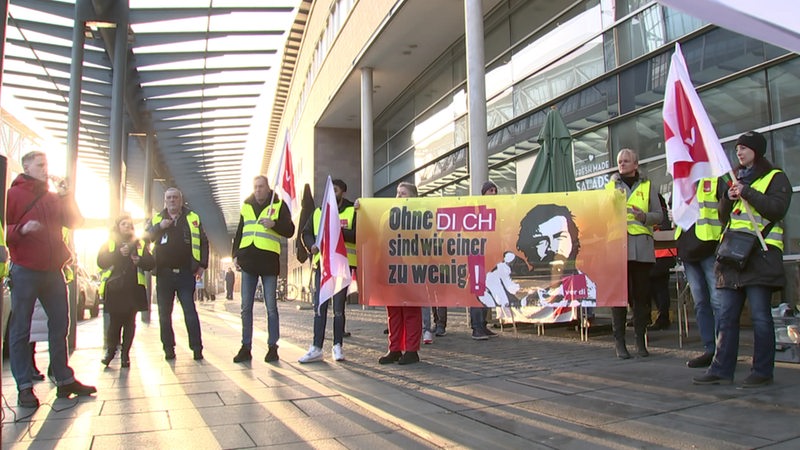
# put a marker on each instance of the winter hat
(754, 141)
(486, 186)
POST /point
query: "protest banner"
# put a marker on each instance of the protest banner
(524, 252)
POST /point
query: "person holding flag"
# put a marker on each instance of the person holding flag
(324, 238)
(264, 220)
(766, 193)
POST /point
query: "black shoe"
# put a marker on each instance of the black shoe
(659, 325)
(408, 358)
(27, 399)
(703, 360)
(710, 379)
(37, 376)
(489, 332)
(74, 388)
(125, 363)
(272, 354)
(386, 331)
(107, 359)
(479, 335)
(754, 381)
(440, 331)
(641, 347)
(198, 355)
(346, 334)
(622, 351)
(169, 355)
(243, 355)
(390, 358)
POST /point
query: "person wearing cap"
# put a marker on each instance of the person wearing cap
(766, 192)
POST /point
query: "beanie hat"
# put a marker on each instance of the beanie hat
(486, 186)
(754, 141)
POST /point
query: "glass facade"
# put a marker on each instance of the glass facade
(604, 65)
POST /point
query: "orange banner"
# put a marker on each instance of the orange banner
(529, 250)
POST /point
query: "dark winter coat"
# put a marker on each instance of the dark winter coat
(135, 298)
(763, 268)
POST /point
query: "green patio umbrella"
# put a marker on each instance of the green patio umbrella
(553, 170)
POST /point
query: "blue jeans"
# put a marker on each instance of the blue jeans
(758, 297)
(321, 315)
(706, 296)
(50, 289)
(426, 318)
(269, 285)
(169, 283)
(477, 317)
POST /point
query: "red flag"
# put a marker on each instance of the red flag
(334, 268)
(693, 148)
(285, 185)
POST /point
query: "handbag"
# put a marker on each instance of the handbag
(736, 247)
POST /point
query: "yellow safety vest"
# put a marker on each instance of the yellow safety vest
(194, 229)
(107, 273)
(253, 233)
(708, 226)
(640, 198)
(347, 217)
(740, 221)
(4, 264)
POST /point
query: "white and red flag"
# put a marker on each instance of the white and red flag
(333, 265)
(285, 183)
(693, 148)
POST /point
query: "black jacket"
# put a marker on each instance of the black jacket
(135, 298)
(763, 268)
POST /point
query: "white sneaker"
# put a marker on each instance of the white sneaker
(427, 337)
(314, 354)
(338, 353)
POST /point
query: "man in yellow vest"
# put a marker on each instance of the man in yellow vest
(310, 232)
(181, 253)
(696, 247)
(264, 222)
(643, 211)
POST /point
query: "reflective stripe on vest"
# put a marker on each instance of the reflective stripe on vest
(347, 216)
(107, 273)
(194, 230)
(253, 233)
(317, 218)
(640, 198)
(708, 226)
(740, 220)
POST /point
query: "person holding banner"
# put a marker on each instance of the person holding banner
(256, 251)
(765, 192)
(478, 315)
(309, 237)
(405, 322)
(644, 211)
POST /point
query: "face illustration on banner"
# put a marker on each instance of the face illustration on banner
(548, 236)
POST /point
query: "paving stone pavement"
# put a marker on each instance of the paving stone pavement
(519, 390)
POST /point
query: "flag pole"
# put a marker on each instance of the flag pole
(281, 162)
(750, 215)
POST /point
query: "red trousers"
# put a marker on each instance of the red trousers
(405, 328)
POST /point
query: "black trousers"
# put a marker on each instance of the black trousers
(638, 300)
(124, 323)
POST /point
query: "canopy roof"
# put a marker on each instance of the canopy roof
(199, 74)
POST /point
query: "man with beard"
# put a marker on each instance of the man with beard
(548, 237)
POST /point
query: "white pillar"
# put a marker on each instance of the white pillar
(367, 164)
(476, 93)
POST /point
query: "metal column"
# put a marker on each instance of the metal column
(367, 169)
(120, 63)
(73, 124)
(476, 91)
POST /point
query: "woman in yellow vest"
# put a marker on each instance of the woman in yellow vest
(768, 194)
(644, 211)
(124, 260)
